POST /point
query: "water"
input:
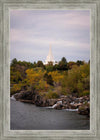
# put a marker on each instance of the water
(26, 116)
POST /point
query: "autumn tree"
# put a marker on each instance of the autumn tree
(56, 76)
(77, 81)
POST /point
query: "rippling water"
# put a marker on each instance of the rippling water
(26, 116)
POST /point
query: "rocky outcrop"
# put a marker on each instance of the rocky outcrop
(58, 106)
(24, 95)
(28, 97)
(26, 101)
(64, 102)
(52, 101)
(40, 101)
(84, 109)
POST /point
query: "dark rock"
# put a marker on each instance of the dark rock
(84, 110)
(52, 101)
(58, 106)
(26, 101)
(65, 107)
(76, 100)
(38, 100)
(41, 101)
(64, 102)
(26, 95)
(72, 106)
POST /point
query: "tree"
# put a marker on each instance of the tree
(63, 64)
(50, 63)
(14, 61)
(49, 68)
(89, 62)
(34, 65)
(48, 78)
(57, 76)
(79, 62)
(40, 64)
(71, 64)
(15, 77)
(77, 81)
(64, 60)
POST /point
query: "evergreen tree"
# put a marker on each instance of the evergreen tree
(63, 64)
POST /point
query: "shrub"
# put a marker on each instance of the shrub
(16, 88)
(85, 92)
(52, 95)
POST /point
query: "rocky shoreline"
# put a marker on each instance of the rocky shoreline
(81, 104)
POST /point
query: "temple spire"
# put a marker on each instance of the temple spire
(50, 57)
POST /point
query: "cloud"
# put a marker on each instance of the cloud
(26, 37)
(31, 32)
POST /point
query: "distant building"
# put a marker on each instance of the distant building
(50, 58)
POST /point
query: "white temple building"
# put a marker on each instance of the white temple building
(50, 57)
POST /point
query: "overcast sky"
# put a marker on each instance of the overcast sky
(67, 31)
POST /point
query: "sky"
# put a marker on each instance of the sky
(33, 31)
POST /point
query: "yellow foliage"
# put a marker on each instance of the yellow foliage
(42, 85)
(57, 77)
(16, 88)
(34, 76)
(77, 79)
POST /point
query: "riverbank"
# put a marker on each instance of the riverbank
(81, 104)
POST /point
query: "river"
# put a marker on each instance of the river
(24, 116)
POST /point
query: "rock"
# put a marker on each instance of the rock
(58, 106)
(72, 106)
(41, 101)
(78, 104)
(84, 110)
(52, 101)
(63, 96)
(26, 101)
(38, 100)
(64, 102)
(26, 95)
(64, 106)
(76, 100)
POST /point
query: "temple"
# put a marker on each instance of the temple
(50, 57)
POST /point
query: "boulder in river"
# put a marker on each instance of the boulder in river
(52, 101)
(84, 109)
(58, 106)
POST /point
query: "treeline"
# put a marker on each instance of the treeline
(50, 80)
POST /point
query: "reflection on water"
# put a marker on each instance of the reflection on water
(29, 117)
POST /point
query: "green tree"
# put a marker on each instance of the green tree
(79, 62)
(14, 61)
(63, 64)
(77, 81)
(48, 78)
(49, 68)
(34, 65)
(71, 64)
(40, 64)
